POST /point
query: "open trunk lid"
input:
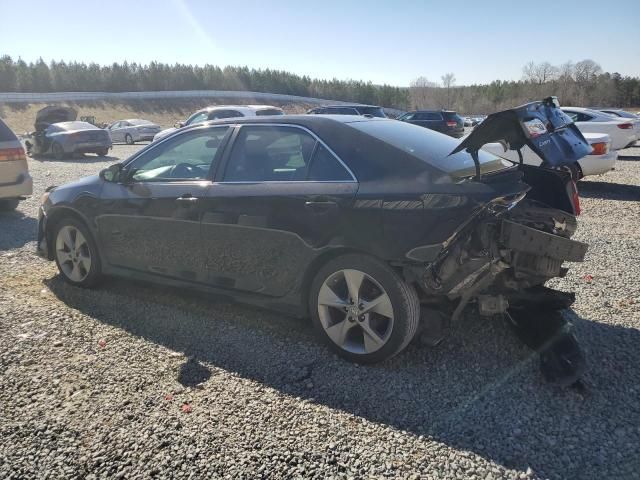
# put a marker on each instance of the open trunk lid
(53, 114)
(541, 125)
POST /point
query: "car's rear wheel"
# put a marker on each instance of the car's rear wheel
(363, 309)
(103, 152)
(57, 151)
(8, 204)
(128, 139)
(76, 253)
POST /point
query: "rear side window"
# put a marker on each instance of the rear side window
(326, 168)
(427, 116)
(6, 134)
(269, 111)
(270, 154)
(217, 114)
(340, 111)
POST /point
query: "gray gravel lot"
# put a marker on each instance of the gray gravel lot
(93, 384)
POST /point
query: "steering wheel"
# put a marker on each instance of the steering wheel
(184, 170)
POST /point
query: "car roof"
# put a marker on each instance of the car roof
(348, 105)
(241, 108)
(432, 111)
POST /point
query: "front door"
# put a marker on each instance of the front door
(279, 201)
(151, 221)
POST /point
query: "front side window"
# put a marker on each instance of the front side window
(427, 116)
(197, 118)
(270, 153)
(218, 114)
(186, 157)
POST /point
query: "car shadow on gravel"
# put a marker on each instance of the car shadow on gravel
(78, 159)
(609, 190)
(16, 229)
(479, 391)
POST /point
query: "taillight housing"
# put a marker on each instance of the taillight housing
(600, 148)
(625, 126)
(451, 123)
(12, 154)
(575, 198)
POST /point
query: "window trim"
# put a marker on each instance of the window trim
(222, 166)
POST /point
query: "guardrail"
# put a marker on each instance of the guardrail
(12, 97)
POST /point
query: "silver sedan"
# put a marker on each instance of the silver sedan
(132, 130)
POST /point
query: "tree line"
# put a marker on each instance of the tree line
(583, 83)
(39, 76)
(579, 84)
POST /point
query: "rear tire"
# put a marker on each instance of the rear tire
(363, 309)
(128, 139)
(8, 204)
(57, 151)
(76, 253)
(103, 152)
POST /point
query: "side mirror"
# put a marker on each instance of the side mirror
(178, 124)
(112, 174)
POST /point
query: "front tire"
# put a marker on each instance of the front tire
(103, 152)
(76, 253)
(128, 139)
(363, 309)
(57, 151)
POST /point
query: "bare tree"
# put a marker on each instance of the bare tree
(539, 73)
(586, 71)
(422, 93)
(448, 80)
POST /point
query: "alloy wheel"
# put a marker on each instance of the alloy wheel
(73, 253)
(355, 311)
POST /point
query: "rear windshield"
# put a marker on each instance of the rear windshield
(138, 121)
(6, 134)
(452, 116)
(269, 111)
(75, 126)
(430, 147)
(373, 111)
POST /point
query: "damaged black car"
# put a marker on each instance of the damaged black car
(374, 228)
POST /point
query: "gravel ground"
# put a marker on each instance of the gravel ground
(138, 381)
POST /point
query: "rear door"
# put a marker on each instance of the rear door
(430, 120)
(151, 222)
(276, 204)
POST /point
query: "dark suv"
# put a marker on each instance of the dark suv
(443, 121)
(371, 110)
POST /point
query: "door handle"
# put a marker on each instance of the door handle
(320, 205)
(187, 198)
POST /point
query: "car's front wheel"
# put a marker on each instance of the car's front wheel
(103, 152)
(57, 151)
(76, 253)
(363, 309)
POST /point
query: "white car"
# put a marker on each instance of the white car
(601, 160)
(15, 181)
(623, 114)
(621, 131)
(222, 111)
(133, 130)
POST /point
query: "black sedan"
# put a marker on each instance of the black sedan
(354, 221)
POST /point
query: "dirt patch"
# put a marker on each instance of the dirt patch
(165, 112)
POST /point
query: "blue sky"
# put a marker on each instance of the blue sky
(382, 41)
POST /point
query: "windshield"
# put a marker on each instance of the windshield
(373, 111)
(431, 147)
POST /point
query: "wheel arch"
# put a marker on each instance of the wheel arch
(54, 217)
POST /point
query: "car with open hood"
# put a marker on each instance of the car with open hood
(57, 133)
(371, 226)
